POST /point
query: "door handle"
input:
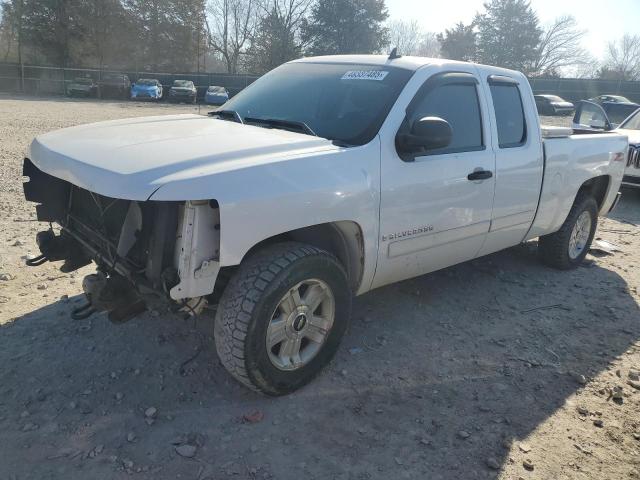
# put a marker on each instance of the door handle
(480, 175)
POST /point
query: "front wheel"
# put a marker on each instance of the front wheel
(282, 316)
(567, 248)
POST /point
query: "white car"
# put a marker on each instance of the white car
(325, 178)
(626, 121)
(631, 128)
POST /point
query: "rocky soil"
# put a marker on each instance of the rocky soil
(496, 369)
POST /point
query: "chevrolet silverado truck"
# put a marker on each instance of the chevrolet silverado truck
(326, 178)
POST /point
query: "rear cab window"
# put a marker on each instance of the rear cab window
(509, 111)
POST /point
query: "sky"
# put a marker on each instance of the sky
(603, 20)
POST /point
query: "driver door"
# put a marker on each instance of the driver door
(436, 205)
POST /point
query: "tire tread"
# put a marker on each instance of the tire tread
(241, 296)
(553, 247)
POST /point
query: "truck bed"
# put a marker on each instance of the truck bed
(570, 159)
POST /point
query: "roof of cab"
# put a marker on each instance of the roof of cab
(409, 63)
(406, 62)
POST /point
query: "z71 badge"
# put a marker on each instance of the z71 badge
(407, 233)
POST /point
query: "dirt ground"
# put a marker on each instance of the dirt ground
(495, 369)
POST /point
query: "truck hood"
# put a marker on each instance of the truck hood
(132, 158)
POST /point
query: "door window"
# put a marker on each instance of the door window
(507, 104)
(458, 104)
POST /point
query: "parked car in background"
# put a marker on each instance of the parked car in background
(114, 85)
(216, 95)
(183, 91)
(327, 177)
(593, 117)
(629, 127)
(82, 87)
(610, 99)
(553, 105)
(146, 89)
(606, 116)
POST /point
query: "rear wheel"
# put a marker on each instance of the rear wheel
(568, 247)
(282, 316)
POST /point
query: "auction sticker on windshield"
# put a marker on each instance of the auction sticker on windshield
(365, 75)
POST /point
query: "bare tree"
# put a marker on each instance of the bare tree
(230, 26)
(278, 37)
(405, 36)
(561, 47)
(429, 45)
(410, 39)
(292, 13)
(623, 58)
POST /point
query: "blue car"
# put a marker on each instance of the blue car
(216, 95)
(146, 89)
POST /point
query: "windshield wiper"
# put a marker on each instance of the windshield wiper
(227, 115)
(291, 125)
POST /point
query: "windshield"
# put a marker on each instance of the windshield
(618, 112)
(554, 98)
(342, 102)
(183, 83)
(633, 122)
(146, 81)
(216, 90)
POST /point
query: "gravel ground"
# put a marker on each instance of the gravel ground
(499, 368)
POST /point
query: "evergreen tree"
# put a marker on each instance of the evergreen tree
(459, 43)
(508, 34)
(273, 44)
(346, 26)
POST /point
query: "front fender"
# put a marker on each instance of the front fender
(260, 201)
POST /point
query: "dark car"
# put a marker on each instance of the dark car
(82, 87)
(114, 85)
(592, 116)
(183, 91)
(553, 105)
(610, 99)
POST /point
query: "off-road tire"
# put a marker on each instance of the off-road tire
(248, 302)
(554, 248)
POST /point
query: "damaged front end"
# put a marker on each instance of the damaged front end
(146, 252)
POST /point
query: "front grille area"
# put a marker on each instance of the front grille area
(633, 160)
(629, 180)
(96, 223)
(99, 220)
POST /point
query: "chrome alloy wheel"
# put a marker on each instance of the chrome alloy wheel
(580, 235)
(300, 324)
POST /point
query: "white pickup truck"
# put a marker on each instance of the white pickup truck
(327, 177)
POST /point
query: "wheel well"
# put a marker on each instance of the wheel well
(597, 187)
(343, 239)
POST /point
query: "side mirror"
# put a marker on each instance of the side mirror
(427, 133)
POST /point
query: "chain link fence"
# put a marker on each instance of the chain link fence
(40, 80)
(575, 89)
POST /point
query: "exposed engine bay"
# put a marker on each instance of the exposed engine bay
(145, 251)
